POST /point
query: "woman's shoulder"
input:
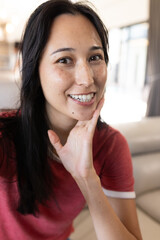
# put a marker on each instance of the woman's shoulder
(7, 132)
(106, 131)
(8, 114)
(106, 135)
(8, 117)
(8, 126)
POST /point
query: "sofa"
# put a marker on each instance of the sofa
(143, 138)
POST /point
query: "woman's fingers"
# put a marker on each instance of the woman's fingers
(89, 125)
(54, 139)
(99, 107)
(95, 115)
(93, 121)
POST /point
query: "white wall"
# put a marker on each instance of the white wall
(117, 13)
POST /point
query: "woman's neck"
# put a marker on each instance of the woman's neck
(62, 127)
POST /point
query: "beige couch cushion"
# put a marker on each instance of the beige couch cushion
(150, 203)
(150, 228)
(142, 136)
(146, 172)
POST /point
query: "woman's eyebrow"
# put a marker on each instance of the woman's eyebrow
(96, 48)
(93, 48)
(63, 50)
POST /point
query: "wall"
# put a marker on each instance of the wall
(118, 13)
(114, 13)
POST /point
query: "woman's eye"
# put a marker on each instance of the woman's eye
(96, 57)
(65, 60)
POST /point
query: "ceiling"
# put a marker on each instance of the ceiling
(23, 8)
(113, 13)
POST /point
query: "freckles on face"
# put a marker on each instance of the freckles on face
(52, 78)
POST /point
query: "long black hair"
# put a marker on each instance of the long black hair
(35, 178)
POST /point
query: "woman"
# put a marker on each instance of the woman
(56, 154)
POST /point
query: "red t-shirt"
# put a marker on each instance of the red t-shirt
(112, 162)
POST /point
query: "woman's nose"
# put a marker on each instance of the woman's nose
(84, 75)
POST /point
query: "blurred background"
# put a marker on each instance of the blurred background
(128, 25)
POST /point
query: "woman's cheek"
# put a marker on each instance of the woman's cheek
(101, 75)
(63, 77)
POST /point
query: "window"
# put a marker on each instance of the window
(126, 74)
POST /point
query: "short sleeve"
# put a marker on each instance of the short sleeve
(116, 173)
(7, 158)
(7, 145)
(1, 154)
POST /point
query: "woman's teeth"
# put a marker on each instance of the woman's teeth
(83, 98)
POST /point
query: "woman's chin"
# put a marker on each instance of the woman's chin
(84, 117)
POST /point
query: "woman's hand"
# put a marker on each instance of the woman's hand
(76, 154)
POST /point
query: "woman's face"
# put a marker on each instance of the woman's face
(72, 69)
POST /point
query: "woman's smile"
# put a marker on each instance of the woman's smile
(83, 99)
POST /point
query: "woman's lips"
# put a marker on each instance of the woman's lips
(83, 99)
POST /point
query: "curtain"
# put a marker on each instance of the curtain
(153, 60)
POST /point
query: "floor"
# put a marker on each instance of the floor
(84, 227)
